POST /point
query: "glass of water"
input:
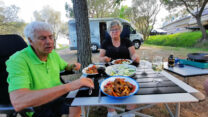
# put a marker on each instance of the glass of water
(157, 66)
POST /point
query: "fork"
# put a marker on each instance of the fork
(90, 90)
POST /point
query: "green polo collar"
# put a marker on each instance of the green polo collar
(34, 57)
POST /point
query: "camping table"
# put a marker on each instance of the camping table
(169, 90)
(187, 71)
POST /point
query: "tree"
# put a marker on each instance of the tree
(52, 17)
(176, 14)
(101, 8)
(9, 21)
(69, 10)
(83, 32)
(194, 7)
(98, 8)
(144, 15)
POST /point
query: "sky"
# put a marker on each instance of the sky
(27, 7)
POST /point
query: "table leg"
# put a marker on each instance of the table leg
(88, 111)
(178, 108)
(83, 111)
(169, 110)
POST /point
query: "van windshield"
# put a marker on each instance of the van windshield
(132, 26)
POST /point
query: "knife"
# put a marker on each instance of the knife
(99, 95)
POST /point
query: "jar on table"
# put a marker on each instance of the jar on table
(171, 61)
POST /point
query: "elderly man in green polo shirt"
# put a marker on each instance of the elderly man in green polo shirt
(34, 79)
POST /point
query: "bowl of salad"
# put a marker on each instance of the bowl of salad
(121, 70)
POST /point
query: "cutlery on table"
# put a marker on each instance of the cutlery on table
(99, 94)
(90, 90)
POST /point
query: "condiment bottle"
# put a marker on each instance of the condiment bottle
(171, 61)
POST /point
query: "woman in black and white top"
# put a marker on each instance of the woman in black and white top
(117, 48)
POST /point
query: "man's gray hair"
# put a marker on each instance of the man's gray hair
(32, 27)
(114, 23)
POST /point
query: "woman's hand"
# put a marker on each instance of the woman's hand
(135, 58)
(107, 59)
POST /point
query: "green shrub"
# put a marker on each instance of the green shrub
(187, 39)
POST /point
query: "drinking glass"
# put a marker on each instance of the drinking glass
(157, 66)
(144, 62)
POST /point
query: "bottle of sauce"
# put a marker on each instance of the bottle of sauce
(171, 61)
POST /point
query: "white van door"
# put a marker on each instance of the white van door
(94, 35)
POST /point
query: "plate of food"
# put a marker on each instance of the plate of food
(91, 69)
(119, 87)
(121, 70)
(121, 61)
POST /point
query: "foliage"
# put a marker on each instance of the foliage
(125, 12)
(144, 15)
(69, 10)
(194, 7)
(188, 39)
(49, 15)
(98, 8)
(175, 14)
(9, 21)
(64, 28)
(101, 8)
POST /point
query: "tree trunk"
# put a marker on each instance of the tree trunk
(203, 30)
(83, 32)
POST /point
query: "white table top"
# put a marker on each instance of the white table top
(141, 99)
(186, 71)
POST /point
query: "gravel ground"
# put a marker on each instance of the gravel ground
(198, 109)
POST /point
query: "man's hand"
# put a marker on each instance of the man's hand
(80, 83)
(77, 66)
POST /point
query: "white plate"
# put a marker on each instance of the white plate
(130, 80)
(121, 70)
(129, 61)
(84, 70)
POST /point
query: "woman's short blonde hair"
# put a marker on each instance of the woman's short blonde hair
(114, 23)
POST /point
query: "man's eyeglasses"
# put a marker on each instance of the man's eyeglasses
(115, 30)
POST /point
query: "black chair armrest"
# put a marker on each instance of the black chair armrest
(66, 72)
(62, 73)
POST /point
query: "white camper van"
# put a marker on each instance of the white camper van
(98, 32)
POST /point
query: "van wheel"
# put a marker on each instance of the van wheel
(94, 48)
(136, 44)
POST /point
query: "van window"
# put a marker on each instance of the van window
(132, 31)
